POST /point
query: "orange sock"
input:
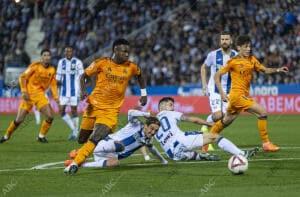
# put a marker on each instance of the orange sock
(45, 127)
(217, 128)
(11, 128)
(85, 151)
(262, 127)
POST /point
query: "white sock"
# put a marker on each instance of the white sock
(41, 135)
(228, 146)
(69, 122)
(100, 163)
(37, 115)
(76, 123)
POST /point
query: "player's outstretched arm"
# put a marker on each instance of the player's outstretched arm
(136, 113)
(217, 77)
(83, 79)
(195, 120)
(276, 70)
(156, 153)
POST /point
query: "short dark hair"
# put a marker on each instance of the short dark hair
(152, 120)
(45, 50)
(241, 40)
(225, 33)
(120, 41)
(69, 46)
(165, 99)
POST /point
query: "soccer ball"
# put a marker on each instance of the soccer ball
(238, 164)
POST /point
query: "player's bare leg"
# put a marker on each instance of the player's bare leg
(46, 124)
(84, 136)
(14, 125)
(261, 114)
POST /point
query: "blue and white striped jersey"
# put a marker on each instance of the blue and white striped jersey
(132, 135)
(68, 72)
(215, 60)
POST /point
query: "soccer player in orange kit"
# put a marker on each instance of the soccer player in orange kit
(34, 82)
(241, 69)
(101, 116)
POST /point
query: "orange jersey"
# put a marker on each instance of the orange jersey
(36, 79)
(111, 83)
(241, 71)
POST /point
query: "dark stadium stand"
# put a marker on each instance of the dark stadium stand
(164, 44)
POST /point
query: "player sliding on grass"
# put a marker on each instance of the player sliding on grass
(123, 143)
(179, 145)
(241, 68)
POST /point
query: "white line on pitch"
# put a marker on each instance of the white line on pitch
(48, 165)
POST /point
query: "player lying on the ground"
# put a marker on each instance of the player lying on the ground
(179, 145)
(123, 143)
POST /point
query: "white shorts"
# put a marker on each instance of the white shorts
(184, 145)
(70, 101)
(216, 103)
(101, 154)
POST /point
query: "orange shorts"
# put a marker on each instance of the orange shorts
(92, 115)
(39, 101)
(238, 103)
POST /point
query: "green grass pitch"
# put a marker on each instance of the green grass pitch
(269, 174)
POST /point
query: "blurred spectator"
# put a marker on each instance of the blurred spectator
(174, 42)
(14, 21)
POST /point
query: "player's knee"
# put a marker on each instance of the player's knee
(18, 121)
(119, 146)
(217, 116)
(84, 136)
(263, 113)
(99, 133)
(112, 162)
(50, 119)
